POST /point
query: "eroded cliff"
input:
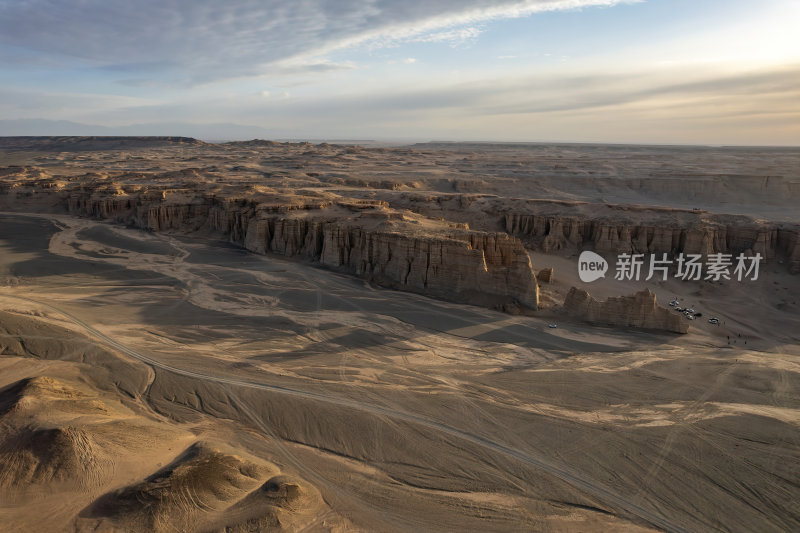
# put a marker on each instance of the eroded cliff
(553, 233)
(569, 226)
(363, 238)
(640, 310)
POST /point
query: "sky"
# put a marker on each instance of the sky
(647, 71)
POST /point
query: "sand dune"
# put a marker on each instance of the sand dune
(203, 486)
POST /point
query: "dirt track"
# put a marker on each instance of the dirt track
(300, 354)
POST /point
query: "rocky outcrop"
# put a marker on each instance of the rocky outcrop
(790, 242)
(364, 239)
(572, 226)
(553, 233)
(640, 310)
(475, 267)
(457, 265)
(545, 275)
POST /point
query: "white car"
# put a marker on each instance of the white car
(554, 326)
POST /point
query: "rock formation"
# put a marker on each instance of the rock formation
(362, 238)
(419, 220)
(545, 275)
(458, 265)
(551, 233)
(568, 226)
(639, 310)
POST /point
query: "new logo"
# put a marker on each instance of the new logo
(591, 267)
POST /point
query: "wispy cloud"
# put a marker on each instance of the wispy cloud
(590, 105)
(599, 91)
(627, 107)
(454, 37)
(202, 40)
(23, 104)
(375, 67)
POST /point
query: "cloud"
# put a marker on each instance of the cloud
(622, 106)
(16, 103)
(302, 66)
(202, 40)
(454, 36)
(587, 92)
(755, 107)
(157, 49)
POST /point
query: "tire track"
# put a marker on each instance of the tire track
(557, 471)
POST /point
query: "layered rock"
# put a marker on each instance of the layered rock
(545, 275)
(551, 233)
(458, 265)
(641, 310)
(361, 238)
(571, 226)
(476, 267)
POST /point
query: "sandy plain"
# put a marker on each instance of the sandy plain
(173, 380)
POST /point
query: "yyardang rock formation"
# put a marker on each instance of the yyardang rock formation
(552, 233)
(553, 226)
(640, 310)
(454, 264)
(367, 239)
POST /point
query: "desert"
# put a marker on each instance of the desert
(295, 336)
(379, 266)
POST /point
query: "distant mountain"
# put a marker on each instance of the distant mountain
(208, 132)
(74, 143)
(42, 127)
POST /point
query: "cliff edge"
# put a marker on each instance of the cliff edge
(391, 248)
(640, 310)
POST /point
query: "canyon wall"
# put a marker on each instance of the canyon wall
(365, 240)
(551, 233)
(640, 310)
(571, 226)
